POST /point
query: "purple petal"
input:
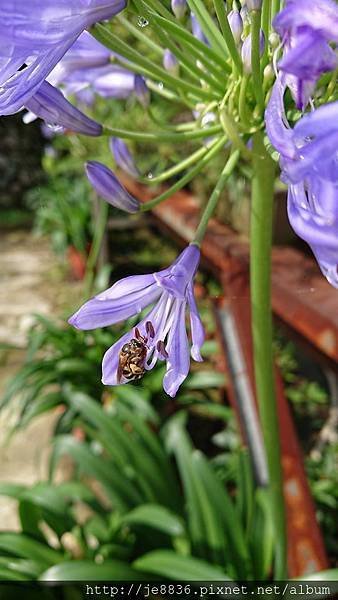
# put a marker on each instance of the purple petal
(321, 15)
(101, 310)
(310, 57)
(115, 83)
(178, 362)
(49, 104)
(122, 157)
(178, 276)
(108, 187)
(197, 30)
(170, 62)
(279, 133)
(236, 24)
(197, 329)
(246, 51)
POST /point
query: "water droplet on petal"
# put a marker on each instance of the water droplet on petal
(150, 175)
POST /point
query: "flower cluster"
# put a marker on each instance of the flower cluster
(309, 151)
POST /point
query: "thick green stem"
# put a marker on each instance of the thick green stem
(213, 200)
(162, 136)
(260, 275)
(275, 8)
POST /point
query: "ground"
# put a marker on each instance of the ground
(31, 277)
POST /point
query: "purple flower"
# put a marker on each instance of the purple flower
(49, 104)
(141, 91)
(85, 53)
(108, 187)
(170, 62)
(169, 293)
(246, 51)
(236, 24)
(36, 35)
(309, 162)
(122, 157)
(306, 28)
(179, 8)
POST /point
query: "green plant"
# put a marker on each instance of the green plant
(128, 512)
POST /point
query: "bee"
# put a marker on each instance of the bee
(133, 355)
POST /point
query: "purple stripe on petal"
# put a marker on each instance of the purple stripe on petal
(108, 187)
(178, 362)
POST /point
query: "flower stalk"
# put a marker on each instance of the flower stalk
(260, 276)
(213, 200)
(255, 58)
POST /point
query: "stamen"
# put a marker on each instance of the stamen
(161, 349)
(150, 329)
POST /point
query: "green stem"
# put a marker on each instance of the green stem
(220, 9)
(260, 275)
(184, 164)
(99, 230)
(213, 200)
(230, 128)
(144, 38)
(242, 105)
(145, 66)
(162, 136)
(255, 58)
(215, 149)
(266, 9)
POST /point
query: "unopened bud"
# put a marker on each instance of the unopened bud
(236, 25)
(170, 62)
(179, 8)
(246, 51)
(141, 91)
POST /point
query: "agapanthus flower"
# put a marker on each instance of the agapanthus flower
(123, 157)
(49, 104)
(306, 29)
(309, 163)
(107, 186)
(197, 30)
(168, 294)
(35, 35)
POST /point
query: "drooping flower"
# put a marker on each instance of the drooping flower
(122, 157)
(309, 163)
(306, 29)
(49, 104)
(108, 187)
(169, 293)
(34, 36)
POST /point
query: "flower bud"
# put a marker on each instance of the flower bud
(179, 8)
(236, 25)
(141, 91)
(107, 186)
(170, 62)
(254, 4)
(246, 51)
(122, 157)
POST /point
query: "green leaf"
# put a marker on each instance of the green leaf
(86, 570)
(205, 379)
(29, 569)
(12, 490)
(22, 545)
(166, 563)
(158, 517)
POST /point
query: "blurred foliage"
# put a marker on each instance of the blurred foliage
(129, 512)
